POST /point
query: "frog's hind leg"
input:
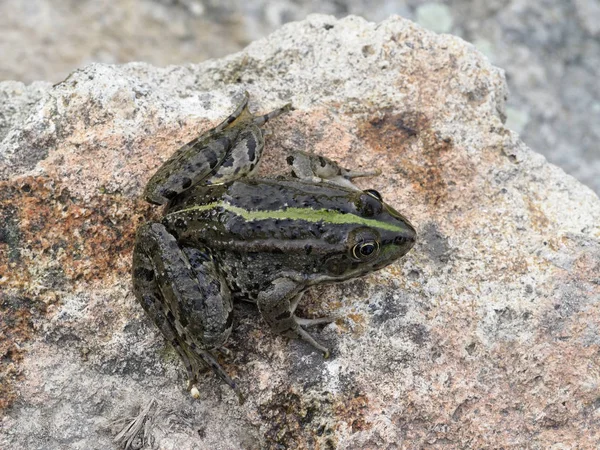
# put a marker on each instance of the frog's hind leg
(195, 161)
(181, 292)
(149, 296)
(244, 156)
(317, 168)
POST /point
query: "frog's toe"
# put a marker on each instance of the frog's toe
(351, 174)
(302, 334)
(312, 322)
(194, 392)
(224, 351)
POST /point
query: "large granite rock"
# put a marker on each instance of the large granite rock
(485, 336)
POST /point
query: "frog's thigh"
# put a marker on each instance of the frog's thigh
(214, 309)
(148, 293)
(277, 305)
(195, 300)
(165, 280)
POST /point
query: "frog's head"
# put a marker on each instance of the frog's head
(376, 235)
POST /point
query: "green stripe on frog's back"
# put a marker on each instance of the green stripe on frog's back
(307, 214)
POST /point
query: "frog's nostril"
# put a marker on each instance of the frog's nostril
(399, 240)
(403, 239)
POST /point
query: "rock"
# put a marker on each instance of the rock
(485, 335)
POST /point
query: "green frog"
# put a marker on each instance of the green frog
(227, 235)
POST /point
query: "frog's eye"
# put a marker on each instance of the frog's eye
(365, 250)
(374, 193)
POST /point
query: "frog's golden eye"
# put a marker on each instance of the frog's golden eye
(373, 193)
(365, 250)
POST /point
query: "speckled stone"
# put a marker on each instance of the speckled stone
(486, 335)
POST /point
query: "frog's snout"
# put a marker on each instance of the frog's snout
(407, 238)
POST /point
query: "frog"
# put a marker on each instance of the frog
(228, 235)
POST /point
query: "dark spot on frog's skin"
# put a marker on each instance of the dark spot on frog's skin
(170, 316)
(290, 160)
(251, 146)
(328, 26)
(169, 194)
(369, 206)
(229, 322)
(181, 224)
(186, 183)
(284, 315)
(228, 162)
(224, 142)
(211, 158)
(322, 161)
(252, 166)
(237, 170)
(145, 274)
(150, 301)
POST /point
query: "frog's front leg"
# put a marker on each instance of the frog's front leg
(180, 289)
(317, 168)
(277, 305)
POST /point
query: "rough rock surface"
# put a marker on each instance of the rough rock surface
(487, 335)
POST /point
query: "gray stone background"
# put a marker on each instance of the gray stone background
(550, 49)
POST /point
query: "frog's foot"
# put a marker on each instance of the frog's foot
(300, 333)
(261, 120)
(277, 305)
(352, 174)
(305, 336)
(318, 168)
(205, 357)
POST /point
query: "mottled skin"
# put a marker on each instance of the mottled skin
(226, 235)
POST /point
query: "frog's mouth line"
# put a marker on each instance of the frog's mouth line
(307, 214)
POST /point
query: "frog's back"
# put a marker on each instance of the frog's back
(264, 215)
(270, 194)
(278, 214)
